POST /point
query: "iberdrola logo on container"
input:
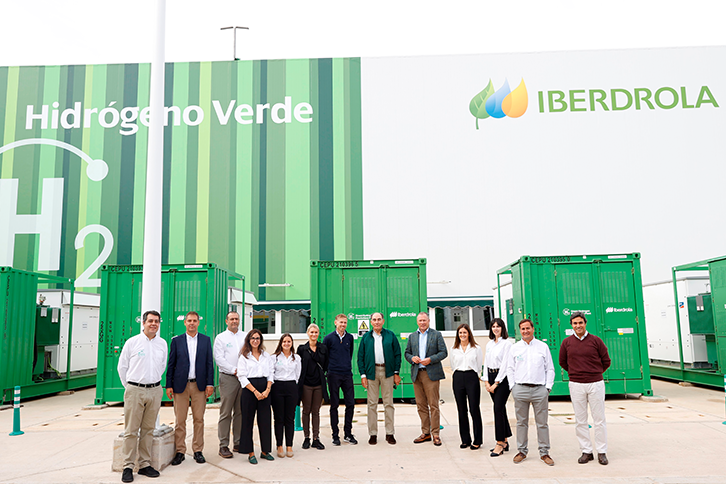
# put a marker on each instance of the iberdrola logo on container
(499, 103)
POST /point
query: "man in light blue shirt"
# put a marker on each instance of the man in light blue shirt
(425, 351)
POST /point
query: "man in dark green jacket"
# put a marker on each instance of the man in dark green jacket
(379, 362)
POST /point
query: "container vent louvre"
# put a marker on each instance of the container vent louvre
(576, 287)
(362, 291)
(718, 277)
(188, 295)
(401, 292)
(615, 287)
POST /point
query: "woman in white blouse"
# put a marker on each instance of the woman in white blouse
(256, 375)
(496, 383)
(466, 361)
(285, 394)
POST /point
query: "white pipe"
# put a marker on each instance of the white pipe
(151, 287)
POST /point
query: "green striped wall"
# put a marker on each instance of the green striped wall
(259, 199)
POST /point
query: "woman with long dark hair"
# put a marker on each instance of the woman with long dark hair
(284, 392)
(496, 383)
(466, 362)
(312, 387)
(256, 375)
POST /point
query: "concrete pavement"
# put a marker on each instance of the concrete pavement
(682, 440)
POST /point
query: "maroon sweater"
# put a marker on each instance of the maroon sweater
(585, 360)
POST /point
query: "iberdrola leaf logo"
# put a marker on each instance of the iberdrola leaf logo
(500, 103)
(477, 106)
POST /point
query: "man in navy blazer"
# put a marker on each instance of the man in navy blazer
(190, 377)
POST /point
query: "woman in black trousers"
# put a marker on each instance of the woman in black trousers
(255, 374)
(496, 383)
(284, 393)
(312, 387)
(466, 360)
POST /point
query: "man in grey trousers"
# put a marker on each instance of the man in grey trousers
(226, 354)
(531, 374)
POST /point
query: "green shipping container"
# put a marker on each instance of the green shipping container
(608, 289)
(184, 287)
(395, 288)
(23, 329)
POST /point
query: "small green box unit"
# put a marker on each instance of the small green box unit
(395, 288)
(607, 289)
(184, 287)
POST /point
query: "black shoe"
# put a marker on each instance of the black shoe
(505, 449)
(178, 459)
(464, 446)
(199, 458)
(350, 439)
(306, 444)
(127, 476)
(585, 458)
(319, 445)
(372, 440)
(336, 440)
(149, 471)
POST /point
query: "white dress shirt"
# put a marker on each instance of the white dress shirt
(287, 368)
(142, 360)
(378, 348)
(226, 350)
(192, 348)
(496, 357)
(250, 367)
(464, 360)
(530, 363)
(423, 339)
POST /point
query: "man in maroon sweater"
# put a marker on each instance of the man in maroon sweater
(585, 358)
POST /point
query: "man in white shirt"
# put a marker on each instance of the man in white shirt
(227, 346)
(379, 363)
(140, 366)
(531, 374)
(190, 377)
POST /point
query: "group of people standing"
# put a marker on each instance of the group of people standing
(525, 369)
(255, 384)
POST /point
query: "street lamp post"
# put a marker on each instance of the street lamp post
(234, 29)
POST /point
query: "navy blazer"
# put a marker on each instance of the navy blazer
(177, 370)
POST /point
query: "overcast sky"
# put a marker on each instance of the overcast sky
(43, 32)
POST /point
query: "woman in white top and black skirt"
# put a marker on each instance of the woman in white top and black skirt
(466, 361)
(496, 383)
(285, 393)
(256, 375)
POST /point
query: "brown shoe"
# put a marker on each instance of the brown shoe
(437, 440)
(602, 459)
(547, 460)
(585, 458)
(422, 438)
(391, 439)
(373, 439)
(225, 453)
(519, 457)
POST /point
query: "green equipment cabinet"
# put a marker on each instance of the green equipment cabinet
(395, 288)
(184, 287)
(607, 289)
(706, 316)
(28, 330)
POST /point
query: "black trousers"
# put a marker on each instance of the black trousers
(467, 388)
(502, 430)
(249, 406)
(284, 396)
(335, 384)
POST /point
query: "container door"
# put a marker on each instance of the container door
(403, 302)
(620, 329)
(718, 293)
(575, 293)
(361, 298)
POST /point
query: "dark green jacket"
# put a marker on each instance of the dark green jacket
(367, 354)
